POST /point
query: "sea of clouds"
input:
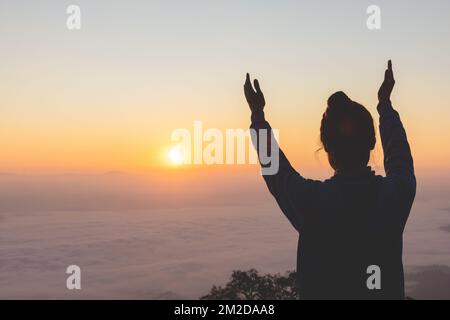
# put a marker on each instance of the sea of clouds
(136, 240)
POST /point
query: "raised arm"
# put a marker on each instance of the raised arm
(398, 161)
(291, 191)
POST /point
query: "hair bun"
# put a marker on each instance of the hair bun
(339, 100)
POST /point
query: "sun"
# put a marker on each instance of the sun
(175, 156)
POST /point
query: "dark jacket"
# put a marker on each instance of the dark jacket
(350, 221)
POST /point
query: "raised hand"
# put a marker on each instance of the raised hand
(384, 93)
(255, 98)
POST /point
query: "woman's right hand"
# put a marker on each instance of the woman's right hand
(384, 93)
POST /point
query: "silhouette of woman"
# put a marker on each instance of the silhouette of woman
(351, 225)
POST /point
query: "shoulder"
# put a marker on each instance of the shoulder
(400, 186)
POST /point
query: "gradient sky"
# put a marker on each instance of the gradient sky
(107, 97)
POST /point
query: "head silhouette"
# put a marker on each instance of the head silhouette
(347, 133)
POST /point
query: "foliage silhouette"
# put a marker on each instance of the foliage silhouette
(250, 285)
